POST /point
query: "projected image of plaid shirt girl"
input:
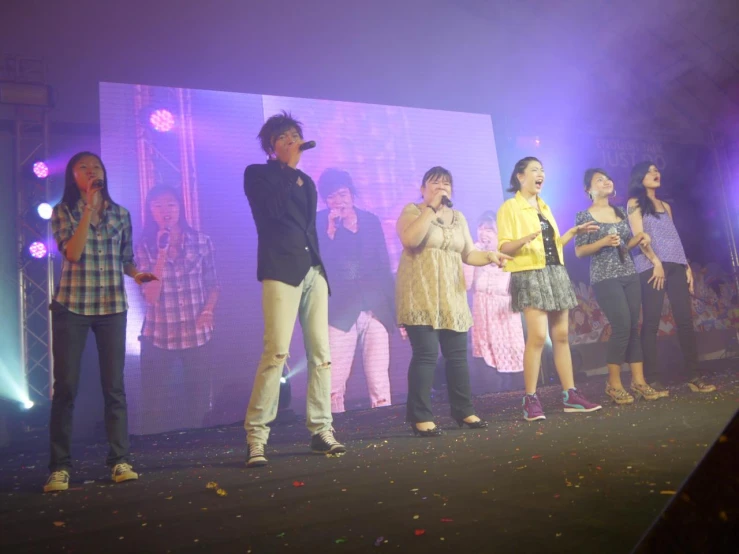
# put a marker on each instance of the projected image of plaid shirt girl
(93, 235)
(179, 315)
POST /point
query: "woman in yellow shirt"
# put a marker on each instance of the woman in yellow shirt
(540, 286)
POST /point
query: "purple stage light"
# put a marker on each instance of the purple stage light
(162, 121)
(37, 250)
(40, 170)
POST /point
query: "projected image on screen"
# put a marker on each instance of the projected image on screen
(175, 159)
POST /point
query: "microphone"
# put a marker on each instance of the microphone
(98, 183)
(447, 201)
(619, 248)
(621, 255)
(307, 145)
(163, 241)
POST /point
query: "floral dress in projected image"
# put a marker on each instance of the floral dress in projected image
(497, 331)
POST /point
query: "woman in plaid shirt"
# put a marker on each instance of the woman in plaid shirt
(179, 314)
(93, 234)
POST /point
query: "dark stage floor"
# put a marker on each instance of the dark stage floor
(573, 483)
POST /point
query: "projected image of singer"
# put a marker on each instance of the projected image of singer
(432, 300)
(362, 296)
(283, 203)
(179, 321)
(497, 331)
(94, 237)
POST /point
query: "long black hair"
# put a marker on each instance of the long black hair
(588, 180)
(520, 167)
(638, 191)
(150, 230)
(71, 193)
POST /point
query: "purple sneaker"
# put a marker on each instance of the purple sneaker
(575, 402)
(532, 408)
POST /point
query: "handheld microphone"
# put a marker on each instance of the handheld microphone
(621, 255)
(619, 248)
(98, 183)
(163, 242)
(307, 145)
(447, 201)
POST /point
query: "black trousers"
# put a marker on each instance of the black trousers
(620, 300)
(676, 287)
(69, 332)
(425, 342)
(171, 400)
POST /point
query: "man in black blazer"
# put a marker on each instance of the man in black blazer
(283, 203)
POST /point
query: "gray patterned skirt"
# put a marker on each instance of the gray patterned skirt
(547, 289)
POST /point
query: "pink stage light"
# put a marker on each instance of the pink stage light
(162, 121)
(37, 250)
(40, 170)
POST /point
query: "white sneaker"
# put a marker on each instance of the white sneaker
(57, 481)
(123, 472)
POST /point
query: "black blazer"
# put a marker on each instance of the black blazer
(287, 240)
(375, 289)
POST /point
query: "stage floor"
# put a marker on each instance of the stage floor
(572, 483)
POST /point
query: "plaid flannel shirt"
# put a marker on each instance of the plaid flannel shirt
(94, 284)
(186, 283)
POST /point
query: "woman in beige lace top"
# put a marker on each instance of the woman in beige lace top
(431, 300)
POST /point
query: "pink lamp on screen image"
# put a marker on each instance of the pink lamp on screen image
(162, 121)
(37, 250)
(40, 170)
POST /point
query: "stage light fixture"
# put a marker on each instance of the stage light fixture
(285, 415)
(162, 120)
(37, 250)
(27, 404)
(285, 398)
(44, 210)
(40, 170)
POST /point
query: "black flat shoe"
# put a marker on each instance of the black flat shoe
(435, 432)
(480, 424)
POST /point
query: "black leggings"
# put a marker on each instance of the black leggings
(620, 300)
(425, 342)
(676, 287)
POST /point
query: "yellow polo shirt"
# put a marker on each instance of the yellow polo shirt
(517, 219)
